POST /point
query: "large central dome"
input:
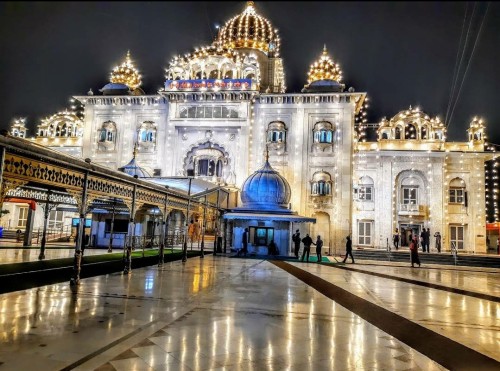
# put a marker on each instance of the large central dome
(249, 30)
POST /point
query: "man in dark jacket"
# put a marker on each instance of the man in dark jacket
(296, 242)
(307, 241)
(348, 249)
(319, 247)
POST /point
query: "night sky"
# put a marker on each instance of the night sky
(400, 53)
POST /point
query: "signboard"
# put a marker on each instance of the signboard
(76, 221)
(208, 84)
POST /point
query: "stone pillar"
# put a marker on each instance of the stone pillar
(28, 233)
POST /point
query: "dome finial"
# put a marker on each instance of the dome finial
(126, 74)
(267, 153)
(134, 152)
(324, 69)
(250, 4)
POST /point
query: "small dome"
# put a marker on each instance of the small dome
(324, 69)
(249, 30)
(126, 74)
(114, 89)
(265, 189)
(133, 169)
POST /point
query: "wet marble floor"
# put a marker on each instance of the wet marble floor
(222, 313)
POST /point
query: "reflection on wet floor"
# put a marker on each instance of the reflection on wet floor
(235, 314)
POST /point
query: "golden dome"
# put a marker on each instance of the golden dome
(249, 30)
(126, 74)
(324, 69)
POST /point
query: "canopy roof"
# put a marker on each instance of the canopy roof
(273, 217)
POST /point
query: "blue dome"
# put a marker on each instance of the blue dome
(265, 189)
(132, 169)
(114, 89)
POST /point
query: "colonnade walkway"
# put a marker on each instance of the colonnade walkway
(226, 313)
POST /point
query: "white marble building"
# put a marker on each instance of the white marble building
(224, 104)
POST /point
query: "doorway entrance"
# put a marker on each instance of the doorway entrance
(407, 231)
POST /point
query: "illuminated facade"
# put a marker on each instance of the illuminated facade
(224, 104)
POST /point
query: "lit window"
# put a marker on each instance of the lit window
(410, 195)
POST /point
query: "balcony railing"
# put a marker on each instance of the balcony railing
(411, 209)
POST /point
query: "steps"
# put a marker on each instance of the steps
(444, 258)
(11, 234)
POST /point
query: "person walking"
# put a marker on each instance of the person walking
(414, 259)
(319, 247)
(244, 242)
(307, 241)
(438, 241)
(296, 242)
(348, 250)
(395, 239)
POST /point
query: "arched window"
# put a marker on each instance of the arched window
(147, 135)
(321, 184)
(366, 189)
(423, 132)
(276, 132)
(323, 132)
(107, 136)
(457, 192)
(410, 132)
(397, 133)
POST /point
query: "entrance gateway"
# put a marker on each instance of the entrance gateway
(406, 230)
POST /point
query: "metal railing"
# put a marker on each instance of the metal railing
(454, 252)
(151, 242)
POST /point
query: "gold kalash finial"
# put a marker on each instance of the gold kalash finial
(135, 151)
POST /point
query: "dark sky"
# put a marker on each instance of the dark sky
(401, 53)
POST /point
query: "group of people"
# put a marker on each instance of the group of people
(307, 241)
(425, 237)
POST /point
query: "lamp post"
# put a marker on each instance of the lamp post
(184, 252)
(110, 248)
(204, 226)
(77, 261)
(46, 211)
(216, 223)
(163, 233)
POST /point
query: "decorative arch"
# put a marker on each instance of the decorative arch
(107, 136)
(411, 131)
(366, 189)
(412, 188)
(321, 184)
(276, 135)
(323, 132)
(207, 160)
(146, 136)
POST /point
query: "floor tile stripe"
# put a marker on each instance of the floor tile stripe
(436, 286)
(439, 348)
(109, 346)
